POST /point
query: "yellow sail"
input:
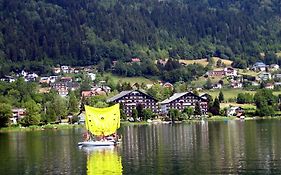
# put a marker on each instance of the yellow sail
(103, 121)
(104, 162)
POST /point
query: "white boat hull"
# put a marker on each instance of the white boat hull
(97, 143)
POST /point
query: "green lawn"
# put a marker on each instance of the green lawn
(247, 72)
(232, 93)
(131, 80)
(201, 81)
(228, 93)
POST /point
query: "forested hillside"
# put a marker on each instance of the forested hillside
(41, 33)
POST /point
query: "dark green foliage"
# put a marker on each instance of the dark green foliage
(239, 63)
(221, 97)
(265, 102)
(139, 108)
(215, 109)
(33, 115)
(48, 32)
(5, 114)
(98, 101)
(208, 84)
(243, 98)
(189, 111)
(197, 109)
(135, 114)
(72, 104)
(148, 114)
(174, 114)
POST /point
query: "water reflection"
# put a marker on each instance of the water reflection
(232, 147)
(103, 160)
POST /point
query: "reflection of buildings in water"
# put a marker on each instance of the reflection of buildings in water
(104, 160)
(147, 142)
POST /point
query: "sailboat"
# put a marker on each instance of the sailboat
(101, 125)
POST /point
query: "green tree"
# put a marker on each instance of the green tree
(59, 106)
(219, 63)
(221, 97)
(189, 111)
(266, 102)
(215, 109)
(139, 108)
(197, 109)
(135, 114)
(174, 114)
(72, 104)
(5, 114)
(148, 114)
(97, 101)
(33, 113)
(208, 84)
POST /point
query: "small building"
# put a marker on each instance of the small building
(168, 85)
(9, 79)
(64, 87)
(180, 101)
(217, 86)
(44, 80)
(269, 86)
(236, 85)
(130, 100)
(277, 84)
(92, 76)
(205, 96)
(135, 60)
(65, 69)
(274, 67)
(53, 79)
(17, 114)
(63, 91)
(56, 70)
(216, 73)
(254, 83)
(276, 76)
(259, 66)
(264, 76)
(66, 79)
(31, 77)
(229, 71)
(234, 111)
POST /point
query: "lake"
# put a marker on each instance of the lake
(214, 147)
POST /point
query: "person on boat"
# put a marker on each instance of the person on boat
(86, 136)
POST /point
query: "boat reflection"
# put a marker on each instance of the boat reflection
(103, 160)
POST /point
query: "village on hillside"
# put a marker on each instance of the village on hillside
(196, 99)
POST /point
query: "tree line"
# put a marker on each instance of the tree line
(39, 34)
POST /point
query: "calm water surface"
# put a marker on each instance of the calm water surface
(233, 147)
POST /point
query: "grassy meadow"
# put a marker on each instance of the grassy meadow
(204, 61)
(131, 80)
(231, 93)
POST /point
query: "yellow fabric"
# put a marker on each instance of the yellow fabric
(104, 162)
(102, 121)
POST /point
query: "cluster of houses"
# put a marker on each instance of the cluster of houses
(265, 73)
(28, 77)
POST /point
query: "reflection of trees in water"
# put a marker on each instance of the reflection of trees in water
(224, 147)
(103, 160)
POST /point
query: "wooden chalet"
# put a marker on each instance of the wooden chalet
(183, 100)
(130, 99)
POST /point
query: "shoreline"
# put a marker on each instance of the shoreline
(38, 128)
(127, 123)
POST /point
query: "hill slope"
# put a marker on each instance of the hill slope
(81, 32)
